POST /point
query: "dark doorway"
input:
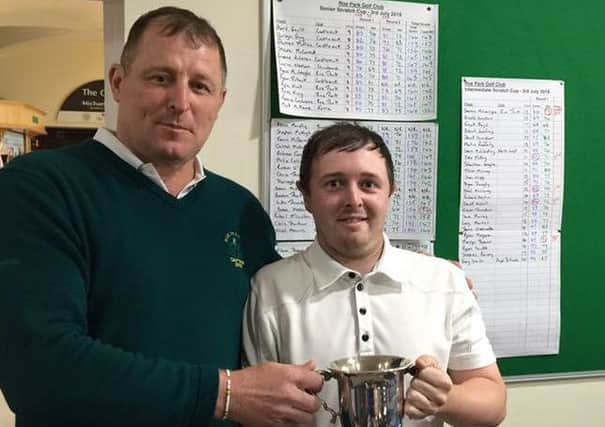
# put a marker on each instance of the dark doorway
(58, 137)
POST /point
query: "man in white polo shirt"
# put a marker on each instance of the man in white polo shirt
(352, 293)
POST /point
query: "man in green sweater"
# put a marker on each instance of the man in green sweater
(125, 265)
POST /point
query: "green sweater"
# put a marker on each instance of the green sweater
(119, 302)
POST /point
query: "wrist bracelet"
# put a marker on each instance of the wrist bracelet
(227, 395)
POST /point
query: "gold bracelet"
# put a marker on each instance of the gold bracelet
(227, 395)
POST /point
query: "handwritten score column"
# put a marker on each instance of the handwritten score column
(351, 59)
(511, 202)
(412, 213)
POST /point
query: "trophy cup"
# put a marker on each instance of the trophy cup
(371, 390)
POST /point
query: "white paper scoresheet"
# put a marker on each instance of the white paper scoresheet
(511, 205)
(354, 59)
(413, 147)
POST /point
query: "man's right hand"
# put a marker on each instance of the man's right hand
(273, 394)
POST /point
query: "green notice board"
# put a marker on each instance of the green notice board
(557, 40)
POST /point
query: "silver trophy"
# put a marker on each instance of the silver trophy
(371, 390)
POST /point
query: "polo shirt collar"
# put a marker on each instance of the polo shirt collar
(327, 271)
(389, 267)
(111, 141)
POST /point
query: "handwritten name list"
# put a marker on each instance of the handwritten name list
(353, 59)
(511, 205)
(413, 147)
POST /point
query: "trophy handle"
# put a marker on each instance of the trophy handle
(333, 413)
(412, 370)
(327, 376)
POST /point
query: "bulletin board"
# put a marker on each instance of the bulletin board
(556, 40)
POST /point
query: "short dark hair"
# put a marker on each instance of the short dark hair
(173, 20)
(342, 136)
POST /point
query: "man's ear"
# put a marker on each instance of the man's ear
(305, 196)
(116, 77)
(393, 189)
(224, 95)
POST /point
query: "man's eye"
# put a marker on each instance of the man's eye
(159, 79)
(369, 184)
(200, 87)
(333, 183)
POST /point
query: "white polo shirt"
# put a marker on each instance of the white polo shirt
(309, 306)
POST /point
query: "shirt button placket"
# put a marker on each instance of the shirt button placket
(364, 322)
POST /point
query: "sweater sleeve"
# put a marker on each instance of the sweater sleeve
(51, 369)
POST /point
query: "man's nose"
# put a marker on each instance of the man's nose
(179, 98)
(353, 195)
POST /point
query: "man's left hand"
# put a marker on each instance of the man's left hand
(428, 390)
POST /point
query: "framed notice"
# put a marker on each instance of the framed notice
(12, 144)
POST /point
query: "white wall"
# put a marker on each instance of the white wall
(233, 150)
(7, 418)
(567, 403)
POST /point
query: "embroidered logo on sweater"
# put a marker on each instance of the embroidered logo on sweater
(232, 240)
